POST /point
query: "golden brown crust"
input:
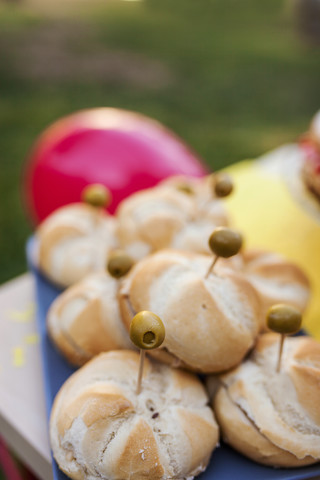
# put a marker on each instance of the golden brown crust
(96, 403)
(200, 436)
(305, 374)
(165, 216)
(101, 428)
(48, 238)
(276, 280)
(194, 309)
(250, 442)
(69, 349)
(131, 459)
(73, 242)
(153, 216)
(272, 417)
(307, 381)
(85, 320)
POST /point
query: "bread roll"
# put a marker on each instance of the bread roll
(276, 280)
(166, 216)
(211, 323)
(73, 242)
(85, 319)
(100, 428)
(274, 418)
(202, 190)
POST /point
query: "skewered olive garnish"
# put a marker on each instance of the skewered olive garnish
(146, 332)
(224, 242)
(223, 185)
(283, 319)
(96, 195)
(119, 263)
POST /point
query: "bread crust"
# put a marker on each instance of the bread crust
(152, 217)
(251, 443)
(164, 216)
(273, 418)
(84, 320)
(211, 323)
(276, 280)
(100, 428)
(73, 242)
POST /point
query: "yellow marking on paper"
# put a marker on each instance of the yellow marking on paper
(18, 357)
(32, 339)
(23, 316)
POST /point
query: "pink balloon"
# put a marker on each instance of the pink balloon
(123, 150)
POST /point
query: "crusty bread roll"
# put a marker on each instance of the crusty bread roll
(201, 189)
(276, 279)
(165, 216)
(100, 428)
(84, 320)
(74, 241)
(211, 323)
(274, 418)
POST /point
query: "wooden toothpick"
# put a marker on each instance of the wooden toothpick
(285, 320)
(212, 266)
(141, 365)
(146, 332)
(282, 337)
(223, 242)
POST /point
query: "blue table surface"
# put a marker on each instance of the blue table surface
(225, 464)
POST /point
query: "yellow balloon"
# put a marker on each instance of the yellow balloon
(272, 209)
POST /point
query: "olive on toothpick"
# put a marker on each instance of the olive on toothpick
(222, 184)
(146, 332)
(283, 319)
(119, 263)
(96, 195)
(224, 242)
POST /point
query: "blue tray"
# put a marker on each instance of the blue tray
(225, 464)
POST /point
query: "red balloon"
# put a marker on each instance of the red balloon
(123, 150)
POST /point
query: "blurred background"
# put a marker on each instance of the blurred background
(233, 79)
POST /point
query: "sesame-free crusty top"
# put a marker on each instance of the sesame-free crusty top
(274, 417)
(101, 429)
(74, 241)
(85, 319)
(211, 322)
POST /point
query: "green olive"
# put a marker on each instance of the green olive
(223, 185)
(185, 188)
(96, 195)
(119, 263)
(225, 242)
(284, 319)
(147, 330)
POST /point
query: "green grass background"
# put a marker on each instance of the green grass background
(243, 81)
